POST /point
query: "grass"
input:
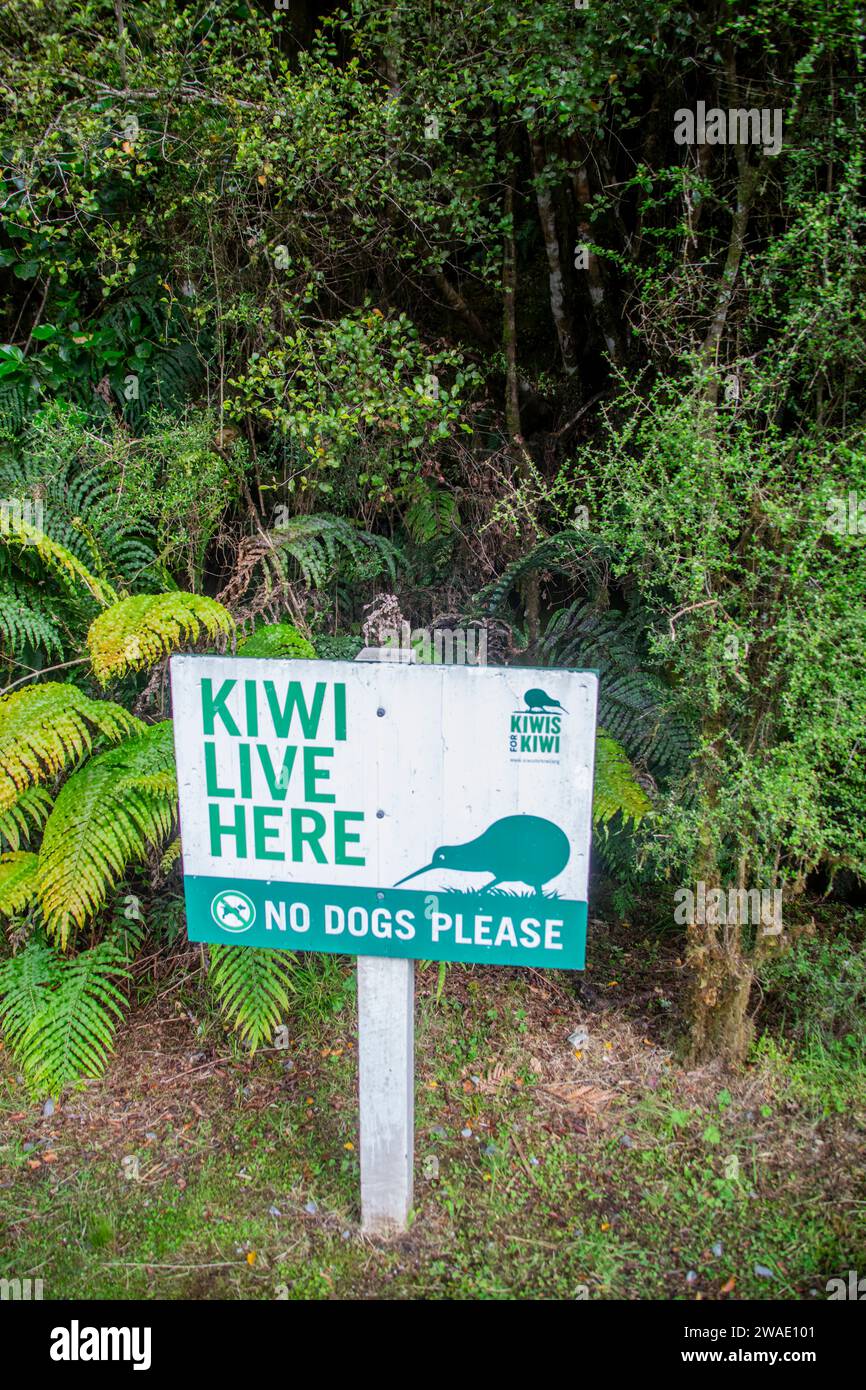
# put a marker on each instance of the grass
(541, 1171)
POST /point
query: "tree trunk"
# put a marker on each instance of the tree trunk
(547, 217)
(531, 595)
(594, 271)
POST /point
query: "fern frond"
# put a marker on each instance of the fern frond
(25, 983)
(276, 639)
(315, 543)
(17, 881)
(139, 631)
(568, 552)
(252, 987)
(433, 513)
(171, 856)
(635, 707)
(25, 624)
(44, 727)
(28, 814)
(105, 817)
(56, 557)
(616, 787)
(61, 1015)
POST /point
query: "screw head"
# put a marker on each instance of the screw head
(380, 815)
(380, 711)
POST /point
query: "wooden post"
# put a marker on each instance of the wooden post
(386, 1075)
(386, 1084)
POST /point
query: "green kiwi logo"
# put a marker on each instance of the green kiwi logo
(537, 728)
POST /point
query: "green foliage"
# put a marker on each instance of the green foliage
(177, 482)
(106, 816)
(45, 727)
(140, 631)
(816, 990)
(315, 546)
(432, 514)
(567, 553)
(253, 988)
(362, 403)
(17, 881)
(634, 705)
(69, 466)
(616, 790)
(59, 1016)
(343, 647)
(18, 532)
(276, 639)
(728, 534)
(26, 623)
(25, 816)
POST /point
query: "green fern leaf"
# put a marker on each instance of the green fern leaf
(616, 787)
(253, 988)
(27, 815)
(105, 817)
(25, 983)
(433, 513)
(17, 881)
(45, 727)
(25, 624)
(171, 856)
(76, 1008)
(139, 631)
(56, 557)
(316, 545)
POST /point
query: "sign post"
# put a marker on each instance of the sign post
(396, 812)
(386, 1091)
(386, 1075)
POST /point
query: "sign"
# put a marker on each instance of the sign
(375, 809)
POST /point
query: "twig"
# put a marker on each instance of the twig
(690, 608)
(43, 671)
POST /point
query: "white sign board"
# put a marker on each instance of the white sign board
(433, 812)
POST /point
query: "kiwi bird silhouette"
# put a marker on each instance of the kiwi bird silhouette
(516, 849)
(537, 699)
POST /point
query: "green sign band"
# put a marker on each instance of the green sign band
(493, 928)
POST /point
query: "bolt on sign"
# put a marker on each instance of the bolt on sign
(426, 812)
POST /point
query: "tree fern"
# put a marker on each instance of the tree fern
(617, 790)
(634, 704)
(139, 631)
(60, 1015)
(26, 816)
(566, 553)
(17, 881)
(253, 988)
(276, 639)
(313, 547)
(45, 727)
(105, 817)
(433, 513)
